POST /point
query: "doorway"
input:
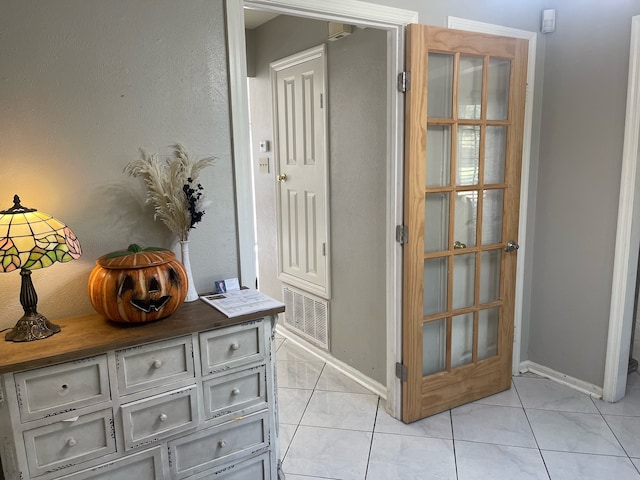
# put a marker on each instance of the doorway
(357, 177)
(391, 20)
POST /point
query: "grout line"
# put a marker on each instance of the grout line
(373, 429)
(453, 446)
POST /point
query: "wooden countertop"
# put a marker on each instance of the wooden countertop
(88, 335)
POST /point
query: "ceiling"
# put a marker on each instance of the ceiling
(255, 18)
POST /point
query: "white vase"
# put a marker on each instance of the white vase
(192, 294)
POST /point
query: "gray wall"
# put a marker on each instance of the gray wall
(357, 165)
(585, 86)
(84, 84)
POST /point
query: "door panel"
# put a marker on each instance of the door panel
(464, 120)
(300, 138)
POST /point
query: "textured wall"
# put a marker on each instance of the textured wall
(83, 85)
(585, 89)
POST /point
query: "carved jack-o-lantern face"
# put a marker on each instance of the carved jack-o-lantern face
(137, 286)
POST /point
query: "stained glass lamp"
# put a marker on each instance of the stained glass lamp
(29, 240)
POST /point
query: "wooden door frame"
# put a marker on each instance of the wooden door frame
(394, 21)
(627, 236)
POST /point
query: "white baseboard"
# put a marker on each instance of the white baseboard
(566, 380)
(349, 371)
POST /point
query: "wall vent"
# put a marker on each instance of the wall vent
(307, 315)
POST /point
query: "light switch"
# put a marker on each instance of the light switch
(264, 146)
(263, 163)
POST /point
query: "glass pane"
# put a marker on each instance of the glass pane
(440, 86)
(438, 155)
(498, 89)
(470, 87)
(490, 276)
(488, 321)
(466, 218)
(492, 203)
(462, 340)
(436, 222)
(464, 280)
(435, 285)
(494, 154)
(434, 347)
(468, 161)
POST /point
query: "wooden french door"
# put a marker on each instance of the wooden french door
(463, 148)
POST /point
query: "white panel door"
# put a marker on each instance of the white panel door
(300, 125)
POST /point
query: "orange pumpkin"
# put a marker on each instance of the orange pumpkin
(137, 285)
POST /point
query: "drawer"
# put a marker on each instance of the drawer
(145, 465)
(148, 366)
(256, 468)
(154, 418)
(218, 445)
(71, 441)
(231, 347)
(236, 393)
(62, 388)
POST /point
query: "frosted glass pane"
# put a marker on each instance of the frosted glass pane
(438, 155)
(470, 87)
(462, 340)
(468, 161)
(466, 218)
(492, 204)
(435, 285)
(490, 276)
(494, 154)
(436, 222)
(434, 347)
(488, 321)
(440, 86)
(464, 280)
(498, 89)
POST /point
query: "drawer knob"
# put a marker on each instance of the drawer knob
(71, 442)
(163, 417)
(235, 392)
(222, 444)
(234, 346)
(157, 364)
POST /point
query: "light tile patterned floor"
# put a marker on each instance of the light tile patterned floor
(333, 428)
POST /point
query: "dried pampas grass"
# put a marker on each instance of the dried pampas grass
(172, 188)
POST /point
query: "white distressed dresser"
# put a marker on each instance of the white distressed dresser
(190, 396)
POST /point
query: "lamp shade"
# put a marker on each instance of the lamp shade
(30, 239)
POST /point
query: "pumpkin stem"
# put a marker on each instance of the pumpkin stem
(135, 248)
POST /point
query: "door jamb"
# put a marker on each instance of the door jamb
(357, 12)
(480, 27)
(627, 236)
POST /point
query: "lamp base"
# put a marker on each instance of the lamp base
(30, 327)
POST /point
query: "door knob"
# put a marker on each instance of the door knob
(512, 246)
(282, 177)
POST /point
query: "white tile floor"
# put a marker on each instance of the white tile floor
(332, 428)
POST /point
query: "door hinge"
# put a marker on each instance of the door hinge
(324, 249)
(401, 372)
(402, 234)
(322, 100)
(404, 81)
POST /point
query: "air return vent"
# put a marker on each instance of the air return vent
(307, 315)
